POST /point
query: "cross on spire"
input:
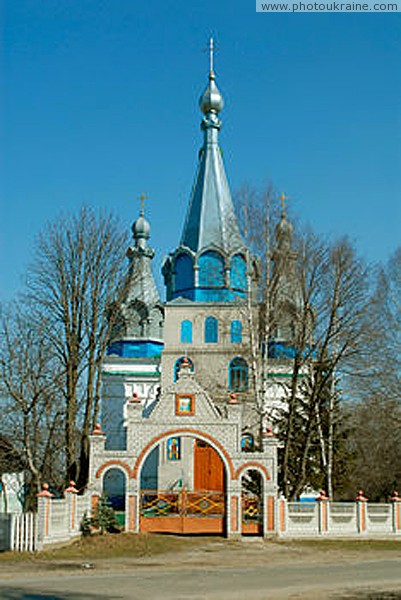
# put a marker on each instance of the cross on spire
(283, 198)
(142, 199)
(211, 55)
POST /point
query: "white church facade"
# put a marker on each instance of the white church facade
(181, 445)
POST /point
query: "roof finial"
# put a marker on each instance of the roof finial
(283, 198)
(211, 57)
(142, 199)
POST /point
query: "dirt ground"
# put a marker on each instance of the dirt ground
(152, 567)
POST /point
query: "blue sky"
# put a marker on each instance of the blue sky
(100, 103)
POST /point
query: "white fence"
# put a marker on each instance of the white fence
(59, 520)
(338, 519)
(18, 532)
(302, 519)
(343, 518)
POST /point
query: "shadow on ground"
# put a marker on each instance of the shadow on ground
(13, 593)
(366, 595)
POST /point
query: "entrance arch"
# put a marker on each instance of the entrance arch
(114, 486)
(194, 433)
(193, 475)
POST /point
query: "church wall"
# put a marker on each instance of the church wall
(211, 360)
(121, 379)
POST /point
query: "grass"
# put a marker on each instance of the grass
(129, 545)
(343, 544)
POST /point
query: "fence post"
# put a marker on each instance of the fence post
(270, 518)
(43, 522)
(361, 512)
(323, 511)
(282, 516)
(71, 498)
(396, 512)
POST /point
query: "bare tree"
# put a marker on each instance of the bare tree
(73, 284)
(375, 414)
(312, 300)
(32, 414)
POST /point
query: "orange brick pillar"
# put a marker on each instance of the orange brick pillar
(44, 507)
(361, 512)
(71, 497)
(282, 516)
(396, 509)
(94, 503)
(132, 513)
(235, 514)
(323, 512)
(270, 521)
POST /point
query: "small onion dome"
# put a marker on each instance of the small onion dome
(268, 433)
(211, 99)
(284, 230)
(233, 399)
(98, 430)
(45, 492)
(71, 488)
(141, 228)
(360, 497)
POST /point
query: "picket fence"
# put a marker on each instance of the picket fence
(18, 532)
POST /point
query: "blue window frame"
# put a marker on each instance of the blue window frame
(184, 272)
(186, 332)
(177, 366)
(238, 273)
(211, 330)
(238, 375)
(236, 332)
(211, 270)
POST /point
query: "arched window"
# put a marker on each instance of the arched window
(184, 273)
(211, 270)
(238, 375)
(236, 332)
(238, 273)
(186, 332)
(114, 484)
(178, 364)
(211, 330)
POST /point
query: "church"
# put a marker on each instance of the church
(183, 445)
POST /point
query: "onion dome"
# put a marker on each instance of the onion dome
(141, 228)
(211, 99)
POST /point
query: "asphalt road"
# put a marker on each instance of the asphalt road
(375, 579)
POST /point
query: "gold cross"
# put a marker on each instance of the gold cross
(283, 198)
(142, 199)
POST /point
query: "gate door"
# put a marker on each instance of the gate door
(252, 513)
(182, 512)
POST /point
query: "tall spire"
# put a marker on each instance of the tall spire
(211, 219)
(210, 264)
